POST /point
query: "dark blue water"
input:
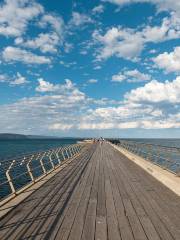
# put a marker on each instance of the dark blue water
(12, 148)
(162, 142)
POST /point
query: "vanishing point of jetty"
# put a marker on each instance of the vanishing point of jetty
(91, 191)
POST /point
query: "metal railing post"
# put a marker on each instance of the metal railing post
(13, 190)
(57, 155)
(62, 151)
(67, 152)
(73, 150)
(42, 164)
(70, 151)
(29, 169)
(76, 150)
(50, 159)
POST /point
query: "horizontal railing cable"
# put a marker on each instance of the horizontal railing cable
(16, 173)
(166, 157)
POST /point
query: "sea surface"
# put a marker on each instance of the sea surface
(171, 142)
(13, 148)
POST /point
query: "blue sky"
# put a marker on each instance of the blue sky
(90, 68)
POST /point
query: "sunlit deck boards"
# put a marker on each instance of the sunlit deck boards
(100, 195)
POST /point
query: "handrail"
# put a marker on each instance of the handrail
(32, 166)
(28, 154)
(165, 157)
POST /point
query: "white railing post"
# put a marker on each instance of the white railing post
(50, 159)
(13, 190)
(42, 164)
(74, 150)
(29, 169)
(62, 151)
(67, 152)
(71, 150)
(57, 155)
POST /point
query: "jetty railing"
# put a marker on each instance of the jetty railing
(166, 157)
(18, 173)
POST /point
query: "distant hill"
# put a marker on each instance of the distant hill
(7, 136)
(4, 136)
(40, 137)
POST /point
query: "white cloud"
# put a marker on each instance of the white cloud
(56, 23)
(14, 54)
(170, 62)
(68, 88)
(97, 67)
(4, 78)
(46, 42)
(19, 80)
(156, 92)
(16, 14)
(119, 42)
(63, 107)
(153, 106)
(59, 110)
(92, 80)
(161, 4)
(152, 51)
(137, 76)
(118, 78)
(15, 18)
(67, 64)
(131, 76)
(128, 43)
(79, 19)
(98, 9)
(60, 126)
(45, 86)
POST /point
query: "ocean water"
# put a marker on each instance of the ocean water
(12, 148)
(171, 142)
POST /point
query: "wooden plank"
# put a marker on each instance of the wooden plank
(90, 220)
(112, 222)
(28, 228)
(100, 195)
(123, 222)
(158, 225)
(33, 205)
(101, 222)
(77, 227)
(133, 218)
(160, 193)
(50, 212)
(71, 212)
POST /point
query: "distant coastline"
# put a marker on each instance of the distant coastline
(16, 136)
(13, 136)
(4, 136)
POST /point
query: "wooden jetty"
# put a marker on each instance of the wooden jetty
(100, 195)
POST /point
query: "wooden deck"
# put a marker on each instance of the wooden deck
(100, 195)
